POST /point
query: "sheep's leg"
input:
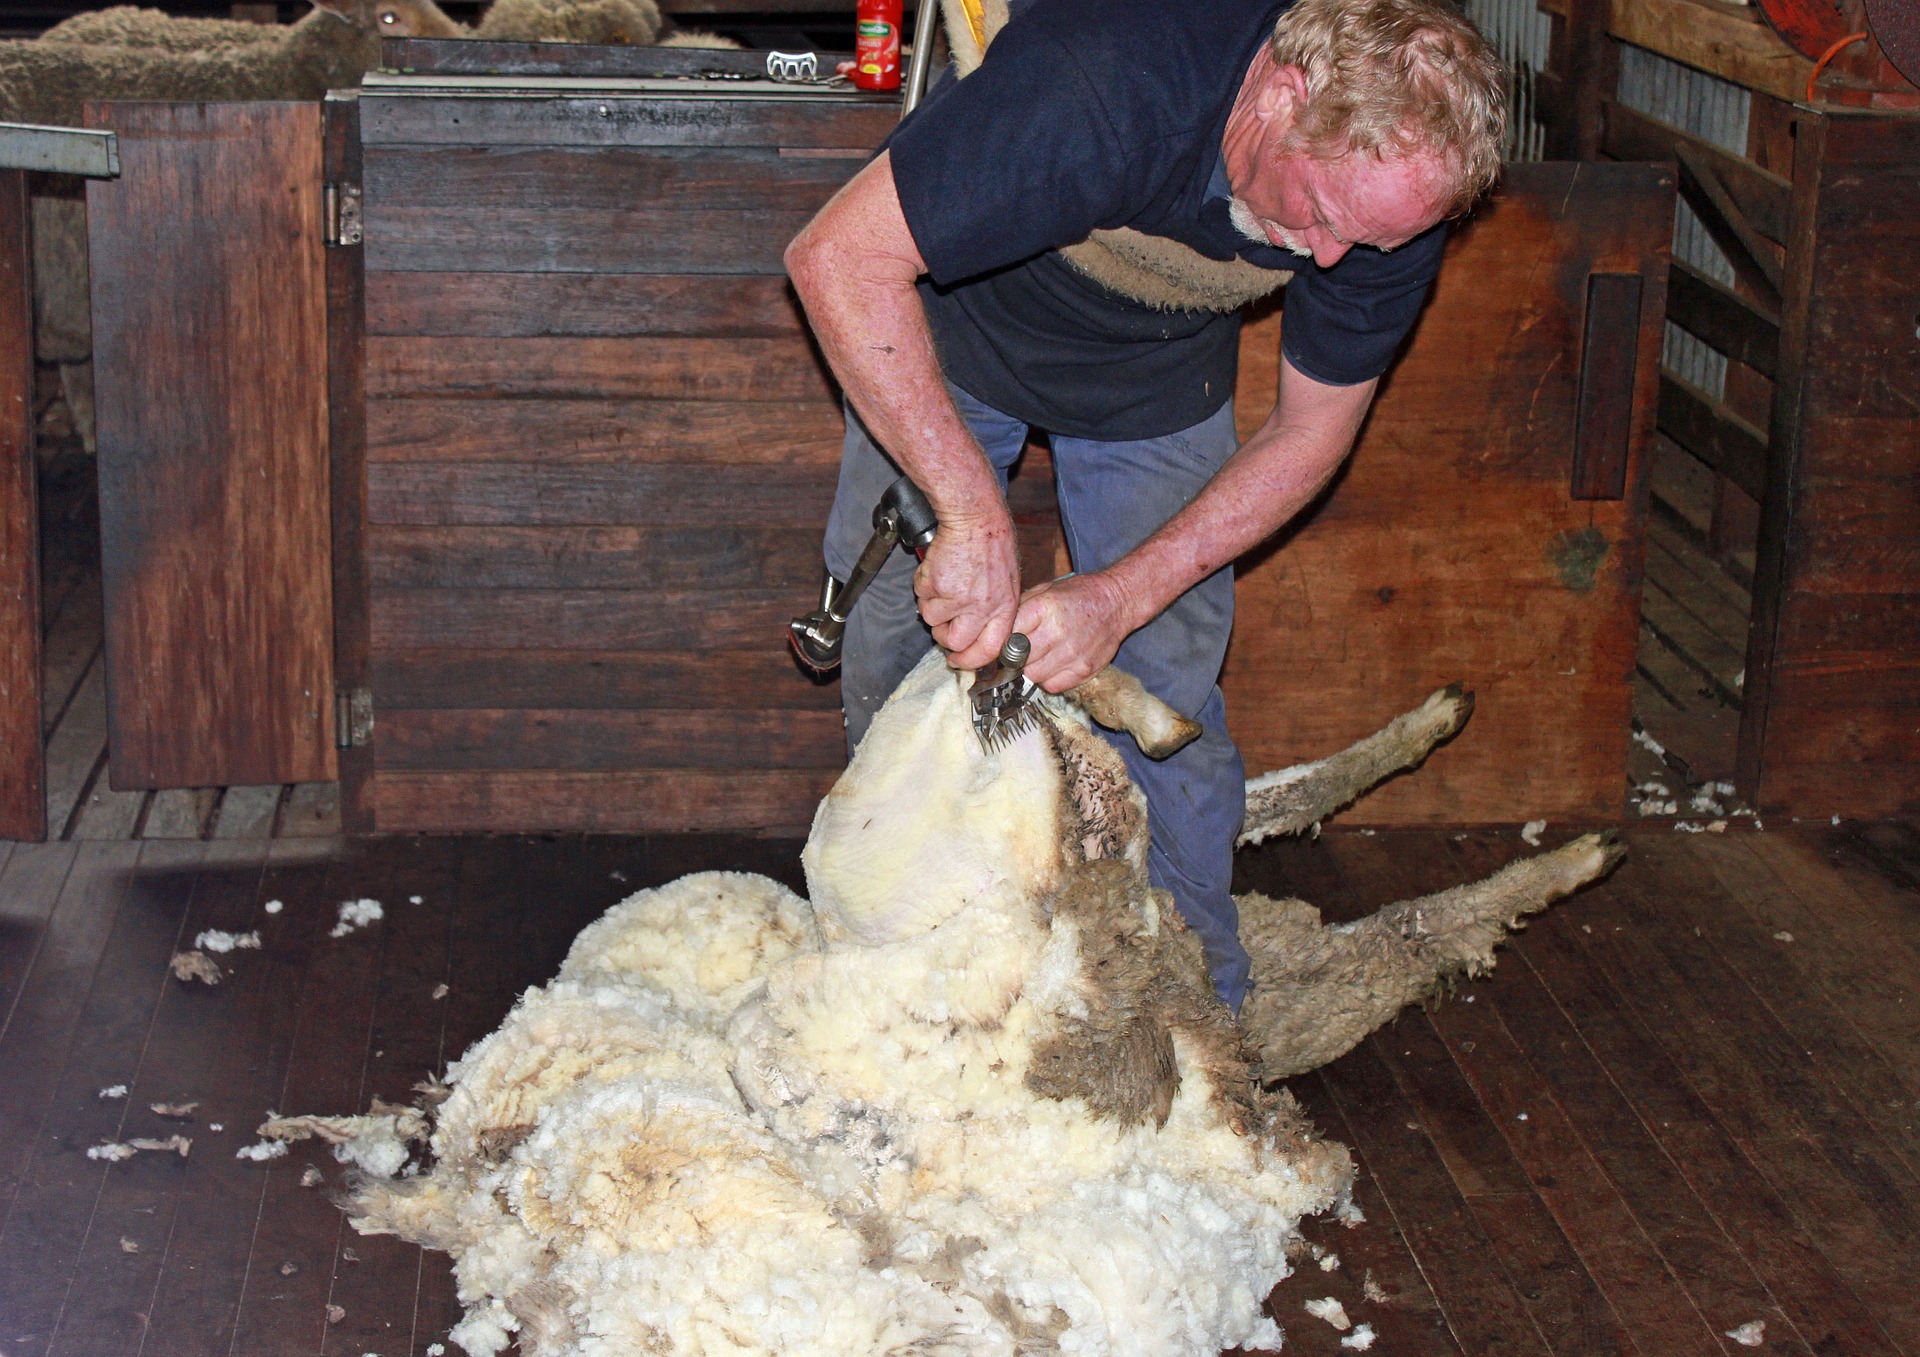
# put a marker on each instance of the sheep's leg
(1295, 799)
(1119, 701)
(1457, 929)
(1317, 992)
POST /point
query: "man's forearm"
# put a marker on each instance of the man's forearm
(855, 268)
(1274, 476)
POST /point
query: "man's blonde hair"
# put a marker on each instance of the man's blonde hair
(1398, 77)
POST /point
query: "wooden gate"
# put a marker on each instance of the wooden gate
(598, 451)
(1489, 526)
(210, 354)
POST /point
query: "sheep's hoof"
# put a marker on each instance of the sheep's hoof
(1462, 702)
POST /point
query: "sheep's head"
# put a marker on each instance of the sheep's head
(925, 822)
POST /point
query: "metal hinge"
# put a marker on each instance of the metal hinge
(343, 214)
(353, 717)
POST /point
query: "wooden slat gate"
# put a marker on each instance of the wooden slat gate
(210, 352)
(599, 449)
(1489, 527)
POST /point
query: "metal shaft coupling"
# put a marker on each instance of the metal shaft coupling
(902, 515)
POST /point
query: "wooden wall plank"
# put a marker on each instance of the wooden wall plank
(759, 677)
(635, 801)
(23, 793)
(1729, 40)
(692, 737)
(564, 432)
(581, 619)
(475, 180)
(210, 345)
(722, 557)
(504, 305)
(611, 120)
(750, 369)
(495, 239)
(534, 494)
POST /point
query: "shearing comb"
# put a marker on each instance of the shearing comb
(1006, 704)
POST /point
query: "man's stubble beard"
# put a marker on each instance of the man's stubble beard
(1247, 224)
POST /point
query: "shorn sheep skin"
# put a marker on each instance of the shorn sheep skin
(974, 1097)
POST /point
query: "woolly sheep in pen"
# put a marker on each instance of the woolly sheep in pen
(603, 22)
(975, 1096)
(134, 26)
(331, 48)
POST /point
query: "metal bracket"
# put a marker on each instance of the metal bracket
(91, 153)
(343, 214)
(353, 717)
(790, 68)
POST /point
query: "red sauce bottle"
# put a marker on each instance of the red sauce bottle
(876, 44)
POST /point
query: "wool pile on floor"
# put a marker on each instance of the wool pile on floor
(974, 1096)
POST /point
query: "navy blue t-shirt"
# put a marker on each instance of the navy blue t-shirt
(1098, 114)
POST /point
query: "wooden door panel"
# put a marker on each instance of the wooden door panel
(1451, 546)
(23, 799)
(210, 345)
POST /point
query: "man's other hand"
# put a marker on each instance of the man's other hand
(1076, 624)
(969, 587)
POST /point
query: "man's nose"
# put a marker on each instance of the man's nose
(1328, 250)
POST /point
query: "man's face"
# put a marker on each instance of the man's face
(1323, 208)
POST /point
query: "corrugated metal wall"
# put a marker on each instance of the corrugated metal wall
(1713, 110)
(1519, 32)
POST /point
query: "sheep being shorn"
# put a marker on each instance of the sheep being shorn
(975, 1096)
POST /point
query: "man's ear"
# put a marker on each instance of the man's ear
(1287, 90)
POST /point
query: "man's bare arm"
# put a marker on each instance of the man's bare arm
(1078, 623)
(854, 267)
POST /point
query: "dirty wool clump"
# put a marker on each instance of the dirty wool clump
(976, 1098)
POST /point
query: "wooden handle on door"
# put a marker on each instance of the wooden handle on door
(1609, 350)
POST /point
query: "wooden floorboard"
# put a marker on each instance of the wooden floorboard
(108, 1287)
(1542, 1265)
(1654, 1122)
(223, 1040)
(1408, 1318)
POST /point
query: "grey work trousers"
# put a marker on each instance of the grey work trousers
(1113, 496)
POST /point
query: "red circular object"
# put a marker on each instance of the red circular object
(1809, 26)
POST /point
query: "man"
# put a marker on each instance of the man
(1062, 241)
